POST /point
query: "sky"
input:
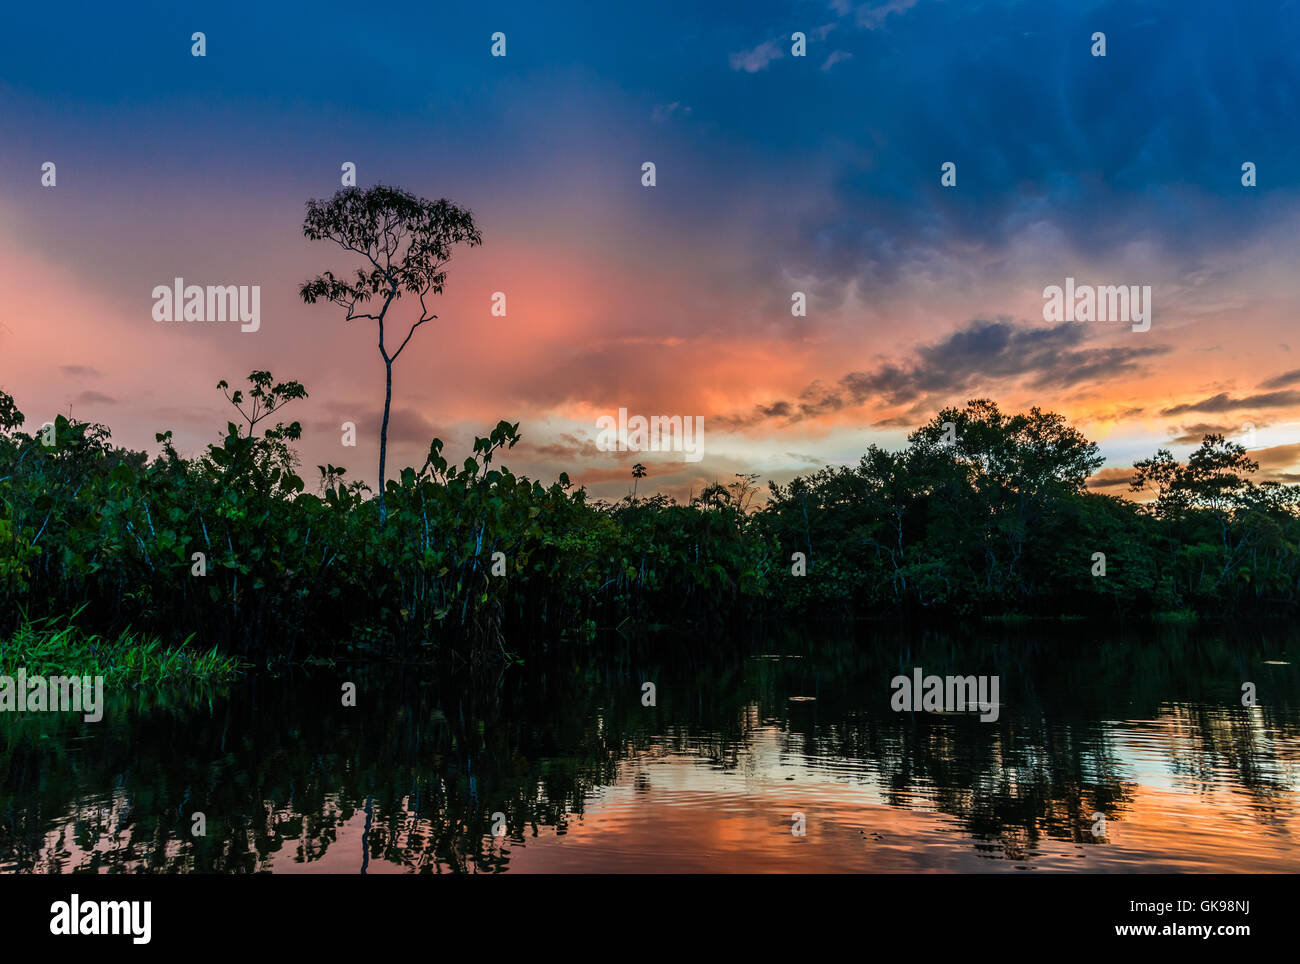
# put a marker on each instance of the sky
(774, 174)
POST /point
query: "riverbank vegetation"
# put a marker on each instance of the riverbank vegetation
(56, 647)
(983, 514)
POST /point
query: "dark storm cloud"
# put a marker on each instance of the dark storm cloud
(1223, 402)
(1046, 357)
(94, 398)
(1042, 132)
(405, 425)
(1193, 434)
(1116, 478)
(1283, 380)
(1276, 460)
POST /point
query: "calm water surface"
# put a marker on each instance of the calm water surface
(1148, 731)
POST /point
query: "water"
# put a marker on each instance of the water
(1147, 730)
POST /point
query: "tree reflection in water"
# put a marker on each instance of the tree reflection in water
(422, 764)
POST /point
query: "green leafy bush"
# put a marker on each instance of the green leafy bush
(474, 562)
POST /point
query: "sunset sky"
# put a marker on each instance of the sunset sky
(775, 174)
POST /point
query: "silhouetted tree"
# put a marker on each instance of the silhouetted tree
(406, 241)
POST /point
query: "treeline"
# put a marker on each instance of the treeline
(471, 557)
(987, 514)
(983, 514)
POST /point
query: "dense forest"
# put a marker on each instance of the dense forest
(983, 514)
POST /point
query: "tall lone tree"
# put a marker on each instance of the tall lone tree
(406, 242)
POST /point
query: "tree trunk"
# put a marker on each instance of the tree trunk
(383, 440)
